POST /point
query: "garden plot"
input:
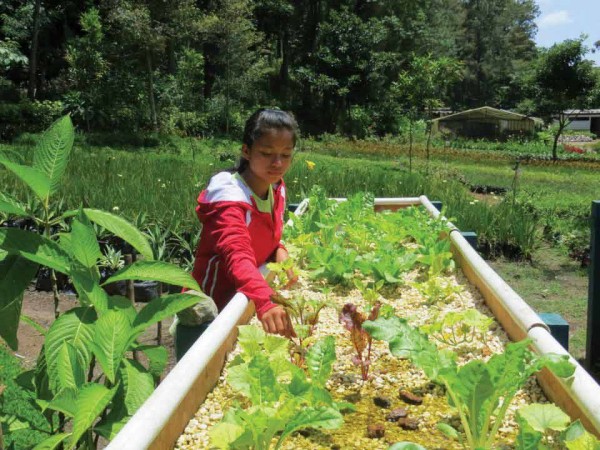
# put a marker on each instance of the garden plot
(448, 380)
(388, 376)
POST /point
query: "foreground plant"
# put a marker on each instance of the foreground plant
(86, 370)
(282, 398)
(480, 391)
(538, 422)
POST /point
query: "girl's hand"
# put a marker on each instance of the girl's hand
(277, 321)
(281, 255)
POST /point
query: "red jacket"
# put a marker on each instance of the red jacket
(236, 239)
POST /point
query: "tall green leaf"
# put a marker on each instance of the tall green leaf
(37, 181)
(64, 402)
(155, 270)
(163, 307)
(111, 339)
(92, 399)
(52, 151)
(84, 244)
(35, 248)
(158, 357)
(85, 281)
(15, 274)
(76, 327)
(320, 359)
(122, 228)
(138, 384)
(71, 372)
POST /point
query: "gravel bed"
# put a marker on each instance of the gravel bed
(388, 376)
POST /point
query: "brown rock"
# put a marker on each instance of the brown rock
(375, 430)
(382, 402)
(407, 423)
(410, 398)
(396, 414)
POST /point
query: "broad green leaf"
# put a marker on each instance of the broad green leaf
(15, 274)
(558, 364)
(86, 284)
(406, 446)
(111, 340)
(92, 399)
(155, 271)
(137, 384)
(11, 206)
(121, 228)
(76, 327)
(70, 370)
(223, 434)
(84, 244)
(35, 179)
(544, 417)
(527, 438)
(475, 391)
(64, 402)
(158, 357)
(321, 417)
(52, 442)
(52, 151)
(320, 359)
(249, 340)
(35, 248)
(122, 304)
(110, 425)
(576, 437)
(163, 307)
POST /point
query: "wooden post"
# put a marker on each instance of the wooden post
(130, 291)
(592, 353)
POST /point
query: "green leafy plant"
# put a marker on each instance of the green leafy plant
(100, 334)
(537, 422)
(279, 278)
(437, 289)
(480, 391)
(282, 398)
(458, 327)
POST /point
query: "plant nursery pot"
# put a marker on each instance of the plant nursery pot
(43, 281)
(170, 288)
(145, 291)
(116, 288)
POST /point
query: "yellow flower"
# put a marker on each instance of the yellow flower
(311, 165)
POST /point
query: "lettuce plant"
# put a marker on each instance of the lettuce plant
(353, 321)
(282, 398)
(458, 327)
(480, 391)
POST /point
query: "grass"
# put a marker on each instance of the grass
(552, 283)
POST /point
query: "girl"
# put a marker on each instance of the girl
(242, 218)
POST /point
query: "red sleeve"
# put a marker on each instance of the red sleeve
(233, 243)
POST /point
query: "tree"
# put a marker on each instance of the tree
(562, 80)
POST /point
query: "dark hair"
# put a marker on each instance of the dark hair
(262, 121)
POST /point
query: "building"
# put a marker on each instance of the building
(486, 123)
(584, 120)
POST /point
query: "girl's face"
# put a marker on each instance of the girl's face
(270, 156)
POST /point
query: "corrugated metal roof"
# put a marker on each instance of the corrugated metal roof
(485, 112)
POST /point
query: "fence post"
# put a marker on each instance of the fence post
(471, 238)
(592, 354)
(437, 204)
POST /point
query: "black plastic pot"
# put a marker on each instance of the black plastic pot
(43, 280)
(146, 291)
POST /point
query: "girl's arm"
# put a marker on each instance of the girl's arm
(234, 244)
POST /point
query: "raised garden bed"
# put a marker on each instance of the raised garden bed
(379, 395)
